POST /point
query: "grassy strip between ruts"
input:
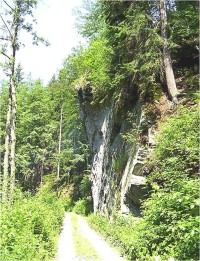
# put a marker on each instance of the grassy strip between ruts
(82, 245)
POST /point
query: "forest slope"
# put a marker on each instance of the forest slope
(107, 119)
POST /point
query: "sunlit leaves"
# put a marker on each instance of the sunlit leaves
(31, 226)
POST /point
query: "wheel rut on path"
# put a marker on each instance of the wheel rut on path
(66, 244)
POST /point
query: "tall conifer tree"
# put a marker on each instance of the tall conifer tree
(13, 22)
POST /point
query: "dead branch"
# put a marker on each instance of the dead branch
(6, 26)
(8, 5)
(5, 39)
(5, 55)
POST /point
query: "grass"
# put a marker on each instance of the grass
(83, 247)
(121, 233)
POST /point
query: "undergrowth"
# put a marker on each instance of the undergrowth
(169, 226)
(120, 232)
(30, 226)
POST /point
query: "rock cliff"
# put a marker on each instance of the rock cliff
(117, 165)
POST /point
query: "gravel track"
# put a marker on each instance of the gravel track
(66, 251)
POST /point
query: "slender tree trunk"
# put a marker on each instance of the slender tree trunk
(13, 107)
(171, 84)
(18, 12)
(13, 140)
(59, 142)
(6, 154)
(42, 172)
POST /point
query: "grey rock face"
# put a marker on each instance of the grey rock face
(98, 122)
(112, 184)
(135, 193)
(136, 188)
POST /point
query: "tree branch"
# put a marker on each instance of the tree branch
(6, 26)
(5, 55)
(8, 5)
(5, 39)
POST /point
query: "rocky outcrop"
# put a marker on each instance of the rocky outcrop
(137, 190)
(98, 122)
(116, 172)
(133, 184)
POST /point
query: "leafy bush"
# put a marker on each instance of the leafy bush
(177, 151)
(172, 222)
(123, 233)
(83, 207)
(85, 186)
(31, 226)
(171, 213)
(68, 204)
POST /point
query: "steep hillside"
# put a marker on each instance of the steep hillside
(125, 90)
(114, 133)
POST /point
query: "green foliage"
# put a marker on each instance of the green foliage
(90, 19)
(31, 226)
(120, 162)
(92, 65)
(171, 213)
(177, 152)
(83, 207)
(68, 204)
(184, 24)
(124, 54)
(132, 134)
(122, 232)
(112, 62)
(85, 186)
(170, 226)
(171, 220)
(37, 131)
(121, 60)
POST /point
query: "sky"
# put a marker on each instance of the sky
(56, 23)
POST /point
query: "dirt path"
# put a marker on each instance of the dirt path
(66, 250)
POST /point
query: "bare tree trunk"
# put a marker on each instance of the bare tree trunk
(6, 154)
(13, 103)
(42, 172)
(171, 84)
(59, 142)
(13, 139)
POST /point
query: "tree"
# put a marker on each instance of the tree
(19, 74)
(59, 141)
(171, 84)
(13, 22)
(183, 22)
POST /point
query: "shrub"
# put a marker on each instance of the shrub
(31, 225)
(68, 204)
(177, 151)
(172, 222)
(85, 186)
(83, 207)
(122, 232)
(171, 212)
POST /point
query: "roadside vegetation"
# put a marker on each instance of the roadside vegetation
(169, 226)
(83, 246)
(31, 226)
